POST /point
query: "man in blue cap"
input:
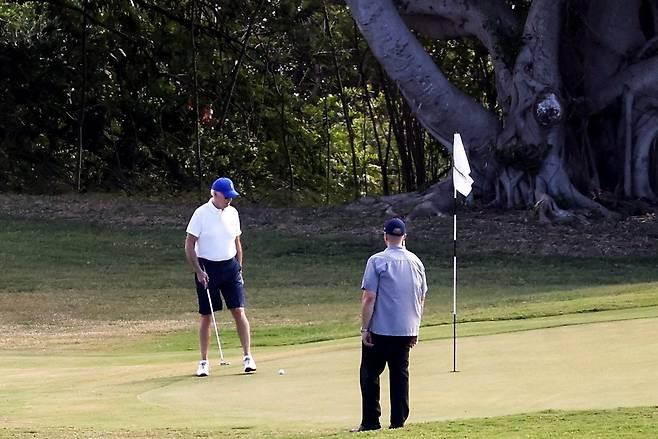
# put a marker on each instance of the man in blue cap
(213, 248)
(394, 288)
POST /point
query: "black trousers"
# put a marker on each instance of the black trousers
(394, 352)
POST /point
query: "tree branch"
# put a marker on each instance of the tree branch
(541, 33)
(613, 33)
(439, 106)
(186, 23)
(92, 19)
(492, 22)
(637, 78)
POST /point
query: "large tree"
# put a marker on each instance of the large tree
(576, 85)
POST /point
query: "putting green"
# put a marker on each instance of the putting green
(590, 366)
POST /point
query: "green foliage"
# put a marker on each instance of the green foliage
(139, 122)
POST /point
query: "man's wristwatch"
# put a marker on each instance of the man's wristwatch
(364, 330)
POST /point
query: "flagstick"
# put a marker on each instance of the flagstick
(462, 183)
(454, 283)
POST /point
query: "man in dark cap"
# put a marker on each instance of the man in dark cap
(214, 250)
(394, 288)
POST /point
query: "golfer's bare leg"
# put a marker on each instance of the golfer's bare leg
(204, 335)
(242, 325)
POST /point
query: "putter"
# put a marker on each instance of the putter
(222, 362)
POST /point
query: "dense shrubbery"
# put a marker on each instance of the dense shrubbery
(271, 107)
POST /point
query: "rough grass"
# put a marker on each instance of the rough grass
(637, 423)
(75, 281)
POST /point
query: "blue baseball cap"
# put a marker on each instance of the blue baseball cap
(225, 186)
(395, 226)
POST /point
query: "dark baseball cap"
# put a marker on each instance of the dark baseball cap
(395, 226)
(225, 186)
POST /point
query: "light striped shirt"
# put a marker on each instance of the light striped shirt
(397, 277)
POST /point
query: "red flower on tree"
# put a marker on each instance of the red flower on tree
(206, 115)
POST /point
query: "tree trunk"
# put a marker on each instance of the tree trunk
(547, 136)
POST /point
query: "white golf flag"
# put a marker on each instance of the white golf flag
(461, 172)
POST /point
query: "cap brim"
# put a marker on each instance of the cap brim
(233, 194)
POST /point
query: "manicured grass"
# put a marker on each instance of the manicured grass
(76, 279)
(153, 394)
(637, 423)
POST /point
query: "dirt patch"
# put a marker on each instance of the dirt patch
(81, 334)
(516, 232)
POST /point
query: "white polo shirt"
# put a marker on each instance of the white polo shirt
(216, 230)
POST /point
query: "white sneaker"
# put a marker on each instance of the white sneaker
(249, 364)
(204, 369)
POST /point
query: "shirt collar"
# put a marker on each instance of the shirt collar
(215, 208)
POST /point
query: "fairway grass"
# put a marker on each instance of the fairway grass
(595, 366)
(622, 423)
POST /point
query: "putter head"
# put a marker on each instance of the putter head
(224, 363)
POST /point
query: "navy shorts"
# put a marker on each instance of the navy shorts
(225, 277)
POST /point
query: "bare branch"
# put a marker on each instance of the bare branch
(490, 21)
(541, 33)
(613, 35)
(484, 19)
(637, 78)
(439, 106)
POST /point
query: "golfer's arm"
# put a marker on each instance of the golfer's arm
(190, 253)
(238, 247)
(367, 308)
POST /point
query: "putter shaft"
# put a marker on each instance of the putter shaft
(222, 362)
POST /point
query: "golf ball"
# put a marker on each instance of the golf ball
(281, 372)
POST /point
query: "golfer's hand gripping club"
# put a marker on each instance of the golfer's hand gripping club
(202, 277)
